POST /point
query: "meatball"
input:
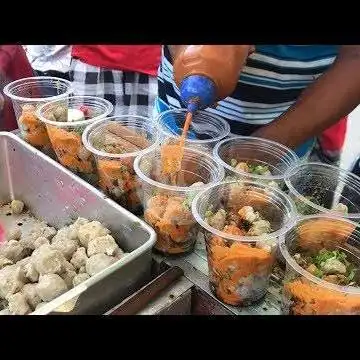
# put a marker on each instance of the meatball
(102, 245)
(48, 261)
(66, 246)
(50, 286)
(4, 261)
(13, 251)
(98, 262)
(18, 305)
(14, 233)
(31, 296)
(30, 272)
(90, 231)
(12, 280)
(17, 207)
(79, 258)
(79, 278)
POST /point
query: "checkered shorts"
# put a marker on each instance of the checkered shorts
(130, 92)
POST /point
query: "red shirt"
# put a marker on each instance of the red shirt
(139, 58)
(14, 65)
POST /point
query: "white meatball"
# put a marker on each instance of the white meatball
(91, 231)
(31, 273)
(48, 261)
(66, 246)
(98, 262)
(79, 258)
(102, 245)
(31, 295)
(50, 286)
(12, 279)
(259, 227)
(14, 233)
(79, 278)
(82, 270)
(13, 250)
(68, 277)
(17, 207)
(247, 213)
(4, 261)
(74, 228)
(41, 240)
(18, 305)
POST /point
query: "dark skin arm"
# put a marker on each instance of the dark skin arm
(332, 96)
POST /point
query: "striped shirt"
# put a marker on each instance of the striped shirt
(271, 81)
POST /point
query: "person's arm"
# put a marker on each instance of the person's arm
(332, 96)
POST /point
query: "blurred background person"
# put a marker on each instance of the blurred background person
(126, 75)
(50, 60)
(14, 65)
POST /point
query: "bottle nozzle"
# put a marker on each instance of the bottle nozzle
(197, 92)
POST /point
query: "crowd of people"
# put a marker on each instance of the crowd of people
(296, 95)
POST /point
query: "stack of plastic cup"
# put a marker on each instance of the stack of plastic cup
(132, 135)
(27, 95)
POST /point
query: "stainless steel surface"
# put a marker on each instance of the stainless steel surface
(57, 196)
(138, 301)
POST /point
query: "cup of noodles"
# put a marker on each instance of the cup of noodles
(167, 199)
(205, 130)
(321, 188)
(241, 222)
(322, 266)
(254, 159)
(27, 95)
(115, 142)
(65, 121)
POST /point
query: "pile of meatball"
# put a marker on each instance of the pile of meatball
(41, 264)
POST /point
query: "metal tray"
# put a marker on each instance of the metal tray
(58, 197)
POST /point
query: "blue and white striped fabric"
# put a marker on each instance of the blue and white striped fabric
(273, 78)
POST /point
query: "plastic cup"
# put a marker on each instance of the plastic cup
(167, 208)
(305, 293)
(27, 95)
(65, 136)
(205, 129)
(320, 188)
(254, 151)
(116, 173)
(240, 266)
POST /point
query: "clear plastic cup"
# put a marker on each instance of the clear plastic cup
(205, 129)
(240, 265)
(167, 207)
(321, 188)
(27, 95)
(241, 154)
(65, 136)
(305, 293)
(116, 173)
